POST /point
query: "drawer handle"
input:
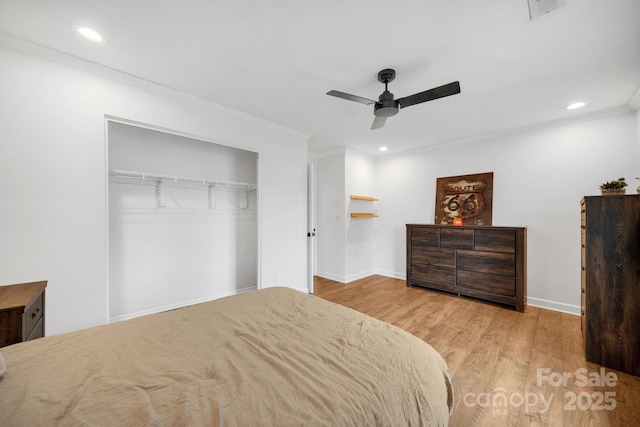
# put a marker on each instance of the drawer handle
(35, 313)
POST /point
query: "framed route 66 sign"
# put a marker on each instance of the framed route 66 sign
(468, 197)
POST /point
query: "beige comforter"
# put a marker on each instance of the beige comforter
(269, 357)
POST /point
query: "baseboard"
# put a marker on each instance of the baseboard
(178, 305)
(331, 276)
(392, 274)
(351, 278)
(360, 275)
(554, 305)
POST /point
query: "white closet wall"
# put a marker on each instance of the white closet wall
(183, 242)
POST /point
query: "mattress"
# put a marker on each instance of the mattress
(275, 356)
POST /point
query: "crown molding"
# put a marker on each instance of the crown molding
(341, 150)
(517, 130)
(76, 62)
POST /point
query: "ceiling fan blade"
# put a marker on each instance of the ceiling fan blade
(431, 94)
(350, 97)
(378, 122)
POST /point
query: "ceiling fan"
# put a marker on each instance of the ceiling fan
(386, 106)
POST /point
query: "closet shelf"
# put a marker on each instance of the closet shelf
(161, 178)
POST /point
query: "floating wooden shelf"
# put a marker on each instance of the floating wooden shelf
(363, 214)
(367, 198)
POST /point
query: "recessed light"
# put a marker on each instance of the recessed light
(383, 148)
(576, 105)
(90, 34)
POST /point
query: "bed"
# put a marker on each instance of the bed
(275, 356)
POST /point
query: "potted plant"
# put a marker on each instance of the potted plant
(614, 187)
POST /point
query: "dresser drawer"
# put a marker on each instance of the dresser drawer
(427, 255)
(458, 238)
(495, 241)
(432, 274)
(487, 262)
(425, 236)
(583, 310)
(32, 313)
(499, 285)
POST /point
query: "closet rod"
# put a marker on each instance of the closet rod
(149, 176)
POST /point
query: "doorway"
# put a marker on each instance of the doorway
(312, 258)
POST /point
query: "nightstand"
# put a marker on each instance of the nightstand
(21, 312)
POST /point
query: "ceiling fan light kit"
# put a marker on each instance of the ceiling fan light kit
(387, 106)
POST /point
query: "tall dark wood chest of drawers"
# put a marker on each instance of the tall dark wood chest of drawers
(611, 281)
(484, 262)
(21, 312)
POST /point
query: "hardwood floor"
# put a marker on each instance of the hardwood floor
(495, 352)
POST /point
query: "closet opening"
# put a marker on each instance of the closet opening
(183, 220)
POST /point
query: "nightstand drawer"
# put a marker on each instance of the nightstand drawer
(33, 313)
(38, 330)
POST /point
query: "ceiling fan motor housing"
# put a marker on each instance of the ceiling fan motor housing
(386, 105)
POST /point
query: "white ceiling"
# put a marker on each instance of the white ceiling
(276, 59)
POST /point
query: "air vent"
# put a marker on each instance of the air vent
(538, 8)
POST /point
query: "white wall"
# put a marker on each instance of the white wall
(539, 178)
(331, 216)
(53, 178)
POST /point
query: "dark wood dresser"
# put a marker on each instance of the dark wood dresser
(484, 262)
(611, 281)
(21, 312)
